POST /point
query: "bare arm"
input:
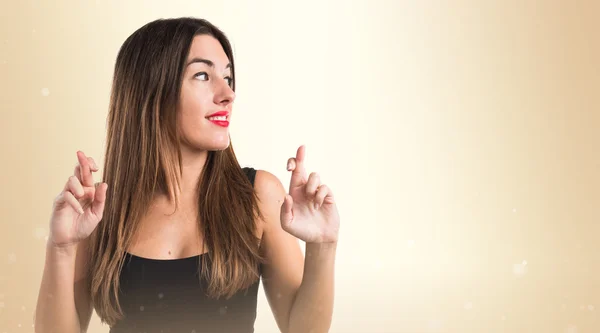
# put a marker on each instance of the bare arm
(63, 302)
(312, 309)
(299, 290)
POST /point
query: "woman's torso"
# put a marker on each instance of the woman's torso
(168, 296)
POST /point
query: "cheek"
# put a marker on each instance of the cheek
(190, 116)
(191, 125)
(195, 103)
(195, 99)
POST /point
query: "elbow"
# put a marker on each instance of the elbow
(309, 329)
(44, 329)
(314, 322)
(40, 327)
(322, 326)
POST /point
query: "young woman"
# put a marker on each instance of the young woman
(177, 235)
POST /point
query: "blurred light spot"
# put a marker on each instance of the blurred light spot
(39, 232)
(45, 92)
(591, 307)
(142, 308)
(571, 329)
(12, 258)
(468, 306)
(434, 325)
(519, 269)
(410, 243)
(378, 264)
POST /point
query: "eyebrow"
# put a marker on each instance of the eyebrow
(205, 61)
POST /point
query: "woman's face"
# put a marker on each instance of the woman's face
(206, 96)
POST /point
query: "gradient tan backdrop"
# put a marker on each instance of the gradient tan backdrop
(460, 137)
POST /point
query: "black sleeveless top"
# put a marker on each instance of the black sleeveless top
(166, 296)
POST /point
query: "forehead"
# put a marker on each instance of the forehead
(207, 47)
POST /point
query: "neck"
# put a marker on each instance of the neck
(192, 165)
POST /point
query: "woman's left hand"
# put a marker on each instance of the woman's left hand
(309, 211)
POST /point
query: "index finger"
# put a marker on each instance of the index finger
(300, 154)
(86, 174)
(298, 172)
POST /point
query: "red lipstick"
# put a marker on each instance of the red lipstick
(218, 114)
(221, 120)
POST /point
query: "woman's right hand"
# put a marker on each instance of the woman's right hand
(79, 207)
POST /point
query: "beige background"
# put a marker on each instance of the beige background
(460, 137)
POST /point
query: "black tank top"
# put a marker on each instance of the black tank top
(166, 296)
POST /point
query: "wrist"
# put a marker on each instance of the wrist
(322, 245)
(320, 249)
(61, 249)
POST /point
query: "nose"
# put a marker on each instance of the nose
(224, 94)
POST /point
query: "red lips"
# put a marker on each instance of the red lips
(218, 114)
(222, 123)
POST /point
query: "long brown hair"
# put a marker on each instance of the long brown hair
(142, 157)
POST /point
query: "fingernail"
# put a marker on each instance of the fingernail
(80, 210)
(316, 205)
(289, 166)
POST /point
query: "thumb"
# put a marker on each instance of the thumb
(99, 200)
(287, 215)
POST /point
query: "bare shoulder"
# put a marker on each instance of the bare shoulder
(270, 193)
(268, 188)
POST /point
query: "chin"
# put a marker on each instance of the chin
(218, 145)
(208, 142)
